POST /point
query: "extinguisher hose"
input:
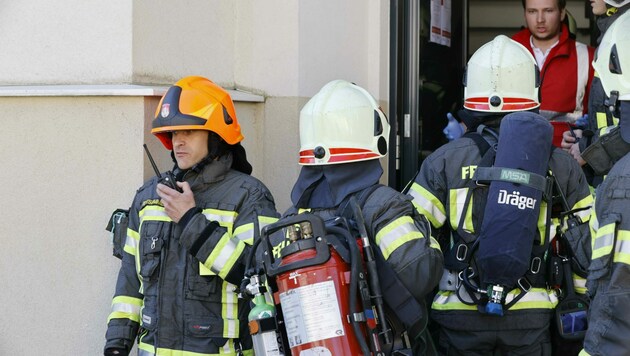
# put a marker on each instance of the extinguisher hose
(354, 285)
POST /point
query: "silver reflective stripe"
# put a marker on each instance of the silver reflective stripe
(231, 308)
(245, 235)
(603, 241)
(131, 242)
(225, 254)
(126, 308)
(384, 241)
(622, 246)
(145, 353)
(582, 75)
(426, 204)
(218, 217)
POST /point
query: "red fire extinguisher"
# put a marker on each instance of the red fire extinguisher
(318, 292)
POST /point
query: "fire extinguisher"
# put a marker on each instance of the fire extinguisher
(317, 290)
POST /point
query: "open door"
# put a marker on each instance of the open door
(426, 83)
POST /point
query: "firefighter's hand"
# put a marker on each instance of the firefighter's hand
(574, 151)
(569, 138)
(175, 203)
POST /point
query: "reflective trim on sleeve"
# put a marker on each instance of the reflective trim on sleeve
(229, 311)
(585, 214)
(126, 308)
(602, 243)
(224, 254)
(220, 216)
(428, 205)
(457, 200)
(395, 234)
(622, 247)
(536, 298)
(579, 284)
(245, 233)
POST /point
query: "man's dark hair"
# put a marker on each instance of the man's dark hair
(561, 4)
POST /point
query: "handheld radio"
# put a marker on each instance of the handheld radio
(168, 179)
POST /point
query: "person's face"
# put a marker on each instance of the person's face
(189, 147)
(599, 7)
(543, 18)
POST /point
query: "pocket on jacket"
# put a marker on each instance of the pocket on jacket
(151, 243)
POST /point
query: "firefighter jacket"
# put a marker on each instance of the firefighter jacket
(176, 286)
(439, 192)
(566, 76)
(609, 272)
(395, 228)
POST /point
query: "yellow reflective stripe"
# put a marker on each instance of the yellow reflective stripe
(224, 254)
(229, 311)
(536, 298)
(145, 349)
(579, 284)
(447, 300)
(622, 247)
(542, 222)
(457, 199)
(153, 213)
(395, 234)
(434, 244)
(602, 243)
(220, 216)
(245, 233)
(428, 205)
(601, 120)
(131, 242)
(303, 210)
(126, 308)
(584, 353)
(586, 213)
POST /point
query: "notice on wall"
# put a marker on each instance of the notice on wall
(441, 22)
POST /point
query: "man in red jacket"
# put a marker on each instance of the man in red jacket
(564, 63)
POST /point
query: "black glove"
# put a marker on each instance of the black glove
(116, 352)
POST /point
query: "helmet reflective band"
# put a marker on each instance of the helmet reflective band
(501, 76)
(342, 123)
(612, 61)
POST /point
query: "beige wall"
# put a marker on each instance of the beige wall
(71, 156)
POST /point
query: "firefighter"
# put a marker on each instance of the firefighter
(343, 133)
(600, 120)
(184, 252)
(501, 79)
(609, 273)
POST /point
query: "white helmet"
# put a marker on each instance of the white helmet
(342, 123)
(616, 3)
(501, 76)
(612, 61)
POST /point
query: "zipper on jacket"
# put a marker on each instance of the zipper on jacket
(163, 256)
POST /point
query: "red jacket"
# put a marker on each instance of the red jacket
(559, 75)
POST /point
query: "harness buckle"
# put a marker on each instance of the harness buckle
(535, 265)
(461, 253)
(524, 284)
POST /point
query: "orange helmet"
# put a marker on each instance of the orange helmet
(196, 103)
